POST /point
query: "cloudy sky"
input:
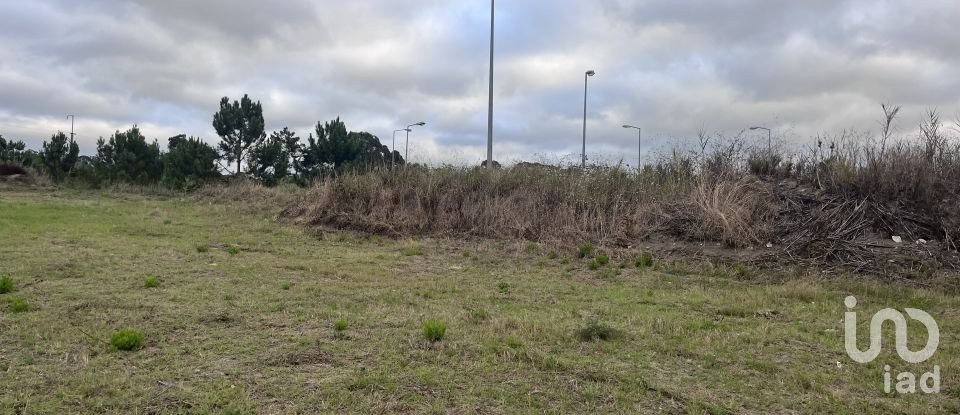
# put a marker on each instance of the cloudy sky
(672, 66)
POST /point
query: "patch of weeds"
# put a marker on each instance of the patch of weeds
(19, 305)
(593, 265)
(701, 325)
(603, 260)
(427, 295)
(513, 343)
(151, 282)
(532, 247)
(644, 261)
(596, 331)
(434, 331)
(6, 284)
(341, 325)
(466, 254)
(647, 297)
(609, 273)
(479, 315)
(232, 250)
(167, 222)
(553, 255)
(504, 288)
(565, 261)
(742, 271)
(585, 250)
(127, 340)
(202, 248)
(285, 286)
(415, 250)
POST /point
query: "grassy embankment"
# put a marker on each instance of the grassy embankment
(243, 321)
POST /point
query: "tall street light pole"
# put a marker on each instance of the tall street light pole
(393, 152)
(71, 118)
(769, 138)
(639, 144)
(490, 107)
(406, 153)
(583, 154)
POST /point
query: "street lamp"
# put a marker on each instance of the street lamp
(490, 108)
(393, 152)
(72, 119)
(639, 145)
(406, 153)
(583, 154)
(769, 138)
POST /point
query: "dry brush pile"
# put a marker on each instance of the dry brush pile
(831, 210)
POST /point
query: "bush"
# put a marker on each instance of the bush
(504, 287)
(603, 260)
(19, 305)
(434, 331)
(189, 163)
(341, 325)
(480, 315)
(593, 265)
(585, 251)
(202, 248)
(6, 284)
(127, 340)
(232, 250)
(532, 247)
(553, 255)
(644, 261)
(596, 331)
(152, 282)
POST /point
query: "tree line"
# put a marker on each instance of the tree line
(280, 157)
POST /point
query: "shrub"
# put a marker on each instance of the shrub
(19, 305)
(532, 247)
(504, 287)
(202, 248)
(152, 282)
(593, 265)
(127, 340)
(341, 325)
(553, 255)
(232, 250)
(585, 251)
(285, 286)
(644, 261)
(415, 250)
(480, 315)
(595, 331)
(6, 284)
(434, 331)
(466, 254)
(603, 260)
(513, 343)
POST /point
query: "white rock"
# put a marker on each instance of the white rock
(921, 241)
(898, 239)
(769, 244)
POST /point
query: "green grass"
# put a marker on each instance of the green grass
(127, 340)
(221, 337)
(6, 284)
(434, 331)
(151, 282)
(18, 305)
(341, 325)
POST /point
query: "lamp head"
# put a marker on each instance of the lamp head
(591, 72)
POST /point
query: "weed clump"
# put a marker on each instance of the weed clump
(434, 331)
(202, 248)
(585, 251)
(603, 260)
(415, 250)
(341, 325)
(644, 261)
(127, 340)
(480, 315)
(19, 305)
(593, 265)
(232, 250)
(151, 282)
(504, 288)
(553, 255)
(598, 332)
(532, 247)
(6, 284)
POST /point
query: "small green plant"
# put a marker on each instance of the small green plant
(480, 315)
(466, 254)
(152, 282)
(232, 250)
(585, 251)
(427, 295)
(127, 340)
(644, 261)
(553, 255)
(285, 286)
(434, 331)
(202, 248)
(167, 222)
(6, 284)
(415, 250)
(603, 260)
(596, 331)
(565, 261)
(19, 305)
(341, 325)
(513, 343)
(532, 247)
(593, 265)
(741, 270)
(504, 288)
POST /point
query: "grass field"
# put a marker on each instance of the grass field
(243, 314)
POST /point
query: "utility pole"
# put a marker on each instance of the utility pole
(639, 145)
(583, 154)
(71, 118)
(490, 107)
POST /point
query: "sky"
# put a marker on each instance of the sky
(673, 67)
